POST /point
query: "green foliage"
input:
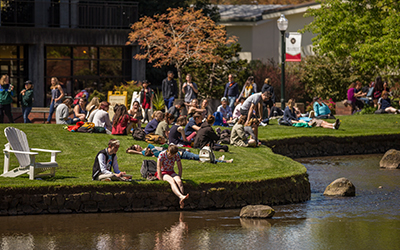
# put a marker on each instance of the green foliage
(158, 101)
(367, 110)
(212, 77)
(365, 31)
(329, 77)
(101, 96)
(294, 88)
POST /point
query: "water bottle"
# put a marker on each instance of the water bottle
(9, 87)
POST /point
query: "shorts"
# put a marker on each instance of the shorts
(318, 122)
(171, 173)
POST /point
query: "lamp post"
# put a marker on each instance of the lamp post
(282, 26)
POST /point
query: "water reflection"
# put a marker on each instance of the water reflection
(370, 220)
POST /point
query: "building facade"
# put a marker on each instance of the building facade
(82, 43)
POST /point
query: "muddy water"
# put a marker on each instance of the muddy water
(371, 220)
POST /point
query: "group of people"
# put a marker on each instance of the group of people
(376, 94)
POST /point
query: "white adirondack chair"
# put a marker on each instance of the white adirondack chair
(26, 158)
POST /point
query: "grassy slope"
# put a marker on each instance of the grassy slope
(356, 125)
(79, 150)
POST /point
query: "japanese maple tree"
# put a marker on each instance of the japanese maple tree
(178, 37)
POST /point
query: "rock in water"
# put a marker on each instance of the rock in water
(257, 211)
(340, 187)
(391, 159)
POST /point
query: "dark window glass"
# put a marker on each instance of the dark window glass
(85, 67)
(111, 53)
(58, 68)
(58, 52)
(85, 53)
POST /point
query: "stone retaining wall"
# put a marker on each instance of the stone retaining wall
(329, 146)
(114, 198)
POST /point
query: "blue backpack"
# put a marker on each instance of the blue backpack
(218, 119)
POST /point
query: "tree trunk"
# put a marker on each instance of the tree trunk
(179, 81)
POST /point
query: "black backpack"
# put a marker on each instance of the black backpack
(138, 134)
(149, 169)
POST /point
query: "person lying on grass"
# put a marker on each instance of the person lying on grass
(165, 171)
(105, 160)
(293, 118)
(154, 151)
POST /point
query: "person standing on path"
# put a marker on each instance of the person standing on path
(57, 93)
(26, 100)
(169, 89)
(231, 92)
(190, 90)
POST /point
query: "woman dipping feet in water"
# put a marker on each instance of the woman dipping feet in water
(165, 171)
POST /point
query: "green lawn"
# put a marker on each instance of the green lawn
(250, 164)
(353, 125)
(79, 150)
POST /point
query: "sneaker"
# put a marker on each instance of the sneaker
(336, 124)
(263, 124)
(221, 158)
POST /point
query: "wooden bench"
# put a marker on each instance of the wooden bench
(34, 115)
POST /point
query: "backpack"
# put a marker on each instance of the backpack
(149, 169)
(79, 95)
(138, 134)
(157, 139)
(206, 155)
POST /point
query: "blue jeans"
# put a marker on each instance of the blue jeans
(232, 100)
(51, 111)
(25, 114)
(169, 102)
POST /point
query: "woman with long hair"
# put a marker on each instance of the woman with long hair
(57, 93)
(136, 112)
(121, 121)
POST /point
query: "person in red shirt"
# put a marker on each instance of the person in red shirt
(121, 121)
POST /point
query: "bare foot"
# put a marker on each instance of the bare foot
(182, 201)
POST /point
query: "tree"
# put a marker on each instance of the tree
(178, 37)
(212, 77)
(362, 31)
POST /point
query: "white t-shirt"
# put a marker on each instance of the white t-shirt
(253, 99)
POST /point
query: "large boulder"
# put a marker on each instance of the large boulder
(257, 211)
(391, 159)
(340, 187)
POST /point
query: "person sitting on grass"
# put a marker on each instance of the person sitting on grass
(105, 161)
(225, 110)
(92, 106)
(80, 109)
(122, 121)
(321, 110)
(163, 127)
(165, 171)
(206, 135)
(176, 110)
(177, 133)
(136, 112)
(154, 151)
(63, 111)
(239, 137)
(193, 126)
(385, 104)
(251, 128)
(152, 125)
(101, 117)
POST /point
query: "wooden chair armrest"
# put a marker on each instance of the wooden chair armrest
(19, 152)
(46, 150)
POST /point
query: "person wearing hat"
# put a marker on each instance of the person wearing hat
(26, 97)
(321, 110)
(225, 110)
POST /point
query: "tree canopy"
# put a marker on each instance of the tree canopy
(177, 38)
(366, 31)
